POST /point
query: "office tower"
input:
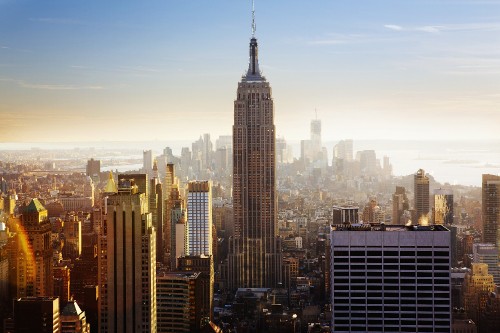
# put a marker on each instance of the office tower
(224, 141)
(127, 262)
(255, 255)
(199, 218)
(343, 150)
(345, 215)
(316, 136)
(390, 278)
(72, 233)
(33, 252)
(421, 192)
(400, 204)
(62, 281)
(179, 301)
(443, 207)
(73, 319)
(85, 269)
(205, 265)
(147, 162)
(207, 151)
(487, 254)
(141, 180)
(478, 285)
(37, 314)
(179, 231)
(167, 217)
(491, 209)
(367, 161)
(156, 209)
(93, 169)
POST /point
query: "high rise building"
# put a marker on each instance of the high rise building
(73, 319)
(93, 169)
(390, 278)
(345, 215)
(156, 209)
(199, 218)
(491, 209)
(487, 254)
(343, 150)
(127, 262)
(400, 204)
(178, 228)
(255, 256)
(33, 256)
(147, 162)
(443, 207)
(421, 192)
(169, 201)
(478, 285)
(179, 302)
(205, 265)
(37, 314)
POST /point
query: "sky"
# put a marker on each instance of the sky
(168, 70)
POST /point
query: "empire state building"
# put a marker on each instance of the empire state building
(255, 251)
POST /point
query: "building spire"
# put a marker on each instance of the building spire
(254, 27)
(253, 73)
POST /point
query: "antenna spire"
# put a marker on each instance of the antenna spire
(253, 19)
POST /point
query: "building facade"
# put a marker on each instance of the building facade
(255, 256)
(127, 263)
(491, 209)
(421, 193)
(390, 279)
(199, 218)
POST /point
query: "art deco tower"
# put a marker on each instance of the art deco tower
(255, 258)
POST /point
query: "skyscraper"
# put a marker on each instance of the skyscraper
(199, 219)
(147, 162)
(421, 192)
(443, 207)
(127, 262)
(37, 314)
(491, 209)
(390, 278)
(33, 259)
(255, 258)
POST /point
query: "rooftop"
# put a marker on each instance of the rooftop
(384, 227)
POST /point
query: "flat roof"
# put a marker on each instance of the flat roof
(386, 227)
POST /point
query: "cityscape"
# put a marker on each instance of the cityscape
(208, 167)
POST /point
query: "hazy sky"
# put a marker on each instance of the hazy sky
(142, 70)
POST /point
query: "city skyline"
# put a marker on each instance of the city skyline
(401, 70)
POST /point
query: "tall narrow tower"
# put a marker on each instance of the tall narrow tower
(421, 191)
(255, 258)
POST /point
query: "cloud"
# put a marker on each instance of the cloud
(492, 26)
(393, 27)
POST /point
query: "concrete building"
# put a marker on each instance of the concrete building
(199, 219)
(147, 162)
(254, 251)
(179, 301)
(127, 262)
(421, 193)
(73, 319)
(400, 204)
(345, 215)
(390, 278)
(487, 254)
(478, 285)
(491, 209)
(37, 314)
(443, 207)
(33, 252)
(204, 265)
